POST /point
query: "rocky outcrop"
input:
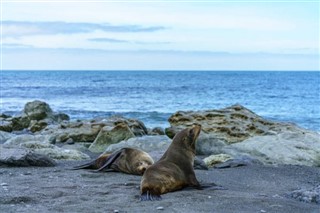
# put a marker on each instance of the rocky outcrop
(290, 147)
(23, 157)
(35, 116)
(237, 131)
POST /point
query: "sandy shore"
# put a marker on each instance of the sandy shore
(253, 188)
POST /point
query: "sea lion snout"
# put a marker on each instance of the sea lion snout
(143, 167)
(195, 131)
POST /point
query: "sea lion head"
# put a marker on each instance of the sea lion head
(187, 137)
(141, 162)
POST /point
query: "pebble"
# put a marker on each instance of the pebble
(27, 173)
(160, 208)
(116, 211)
(263, 211)
(4, 184)
(209, 197)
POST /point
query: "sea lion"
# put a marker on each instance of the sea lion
(174, 170)
(127, 160)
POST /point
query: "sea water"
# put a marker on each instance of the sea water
(152, 96)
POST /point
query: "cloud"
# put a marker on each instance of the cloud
(112, 40)
(15, 45)
(109, 40)
(22, 28)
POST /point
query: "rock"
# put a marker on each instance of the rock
(216, 159)
(4, 136)
(289, 147)
(238, 131)
(145, 143)
(199, 164)
(55, 152)
(70, 141)
(37, 110)
(20, 139)
(37, 126)
(308, 196)
(77, 131)
(36, 116)
(111, 135)
(231, 125)
(137, 127)
(23, 157)
(5, 126)
(59, 117)
(4, 116)
(156, 131)
(20, 122)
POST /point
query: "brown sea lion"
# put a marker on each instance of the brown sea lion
(127, 160)
(174, 170)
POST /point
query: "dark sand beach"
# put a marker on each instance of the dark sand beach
(254, 188)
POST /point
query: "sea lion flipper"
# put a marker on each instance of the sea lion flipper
(147, 196)
(85, 166)
(110, 160)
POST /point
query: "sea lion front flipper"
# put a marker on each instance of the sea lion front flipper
(110, 160)
(147, 196)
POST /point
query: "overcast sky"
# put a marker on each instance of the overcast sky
(160, 35)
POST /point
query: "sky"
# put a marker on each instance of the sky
(159, 35)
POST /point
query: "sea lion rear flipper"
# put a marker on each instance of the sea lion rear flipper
(147, 196)
(89, 165)
(110, 160)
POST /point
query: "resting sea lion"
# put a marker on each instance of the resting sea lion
(174, 170)
(127, 160)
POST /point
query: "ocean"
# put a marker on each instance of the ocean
(152, 96)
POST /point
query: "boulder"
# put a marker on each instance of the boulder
(238, 131)
(156, 131)
(37, 110)
(77, 131)
(110, 135)
(23, 157)
(54, 152)
(20, 122)
(145, 143)
(36, 116)
(37, 126)
(20, 139)
(289, 147)
(230, 125)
